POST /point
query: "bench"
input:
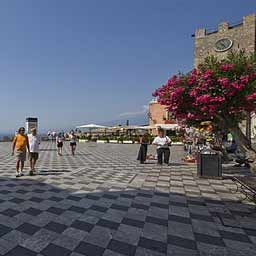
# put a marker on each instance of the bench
(247, 185)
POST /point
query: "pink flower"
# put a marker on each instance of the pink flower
(154, 94)
(212, 109)
(191, 80)
(203, 99)
(244, 79)
(190, 116)
(194, 72)
(230, 93)
(218, 99)
(251, 97)
(171, 83)
(193, 93)
(253, 75)
(224, 82)
(237, 86)
(204, 108)
(176, 92)
(226, 67)
(207, 74)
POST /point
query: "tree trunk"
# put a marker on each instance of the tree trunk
(242, 141)
(248, 126)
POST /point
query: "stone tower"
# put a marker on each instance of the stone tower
(226, 38)
(241, 36)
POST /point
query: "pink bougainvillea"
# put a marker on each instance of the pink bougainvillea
(215, 88)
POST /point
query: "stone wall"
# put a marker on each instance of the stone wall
(157, 113)
(243, 36)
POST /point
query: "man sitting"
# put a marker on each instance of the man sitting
(232, 148)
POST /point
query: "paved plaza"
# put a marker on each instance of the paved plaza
(102, 202)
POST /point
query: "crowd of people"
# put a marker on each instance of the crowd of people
(24, 144)
(197, 139)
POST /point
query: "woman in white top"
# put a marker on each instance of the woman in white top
(72, 142)
(163, 143)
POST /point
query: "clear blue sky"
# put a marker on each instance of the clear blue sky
(70, 62)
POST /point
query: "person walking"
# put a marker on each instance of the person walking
(34, 142)
(19, 147)
(53, 136)
(59, 143)
(72, 142)
(163, 142)
(142, 155)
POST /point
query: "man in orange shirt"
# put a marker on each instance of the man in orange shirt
(20, 146)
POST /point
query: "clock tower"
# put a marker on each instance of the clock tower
(235, 37)
(228, 37)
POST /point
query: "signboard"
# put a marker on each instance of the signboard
(31, 122)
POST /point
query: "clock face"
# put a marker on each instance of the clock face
(223, 45)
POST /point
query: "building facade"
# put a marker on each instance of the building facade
(218, 43)
(160, 117)
(241, 36)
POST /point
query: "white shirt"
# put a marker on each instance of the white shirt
(162, 142)
(59, 139)
(72, 138)
(34, 142)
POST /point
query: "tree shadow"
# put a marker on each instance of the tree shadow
(64, 215)
(51, 172)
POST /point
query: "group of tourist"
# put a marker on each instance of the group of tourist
(23, 143)
(60, 140)
(163, 151)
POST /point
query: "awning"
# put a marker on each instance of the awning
(167, 126)
(91, 126)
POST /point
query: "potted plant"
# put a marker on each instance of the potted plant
(121, 139)
(83, 138)
(127, 140)
(113, 139)
(102, 139)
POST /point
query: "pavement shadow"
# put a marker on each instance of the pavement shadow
(100, 218)
(51, 172)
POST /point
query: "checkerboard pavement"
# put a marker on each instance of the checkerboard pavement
(102, 202)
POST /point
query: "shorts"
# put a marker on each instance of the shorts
(33, 156)
(59, 144)
(72, 144)
(21, 155)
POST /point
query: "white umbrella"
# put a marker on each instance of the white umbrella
(91, 127)
(167, 126)
(145, 127)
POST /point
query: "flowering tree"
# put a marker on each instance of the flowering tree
(221, 91)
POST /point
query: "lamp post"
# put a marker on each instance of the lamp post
(248, 126)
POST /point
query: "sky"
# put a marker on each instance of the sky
(71, 62)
